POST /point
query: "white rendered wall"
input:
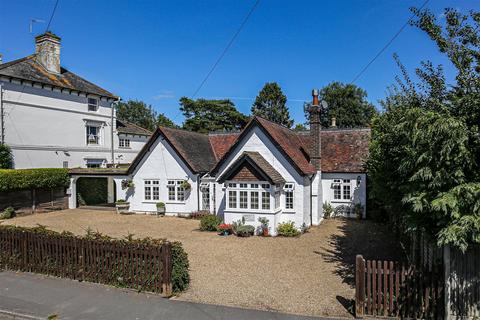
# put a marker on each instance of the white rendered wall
(126, 155)
(162, 163)
(45, 127)
(257, 141)
(359, 193)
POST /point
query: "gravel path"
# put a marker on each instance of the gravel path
(311, 275)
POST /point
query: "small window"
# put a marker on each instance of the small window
(243, 185)
(289, 195)
(124, 143)
(254, 185)
(265, 186)
(94, 163)
(232, 185)
(92, 104)
(65, 164)
(93, 135)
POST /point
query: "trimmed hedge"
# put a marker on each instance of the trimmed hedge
(27, 179)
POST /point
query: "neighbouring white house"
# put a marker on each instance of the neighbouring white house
(51, 117)
(266, 170)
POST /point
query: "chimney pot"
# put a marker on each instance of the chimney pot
(334, 122)
(47, 48)
(315, 97)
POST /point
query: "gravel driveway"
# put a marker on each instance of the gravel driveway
(312, 274)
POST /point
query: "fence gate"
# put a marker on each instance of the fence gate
(392, 289)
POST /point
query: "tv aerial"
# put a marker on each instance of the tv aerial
(32, 21)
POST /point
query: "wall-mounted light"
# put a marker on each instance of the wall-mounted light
(359, 180)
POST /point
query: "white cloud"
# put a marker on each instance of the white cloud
(164, 95)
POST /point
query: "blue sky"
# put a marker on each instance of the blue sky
(159, 51)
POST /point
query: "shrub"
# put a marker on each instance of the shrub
(327, 210)
(26, 179)
(8, 213)
(160, 204)
(245, 230)
(209, 222)
(6, 158)
(180, 275)
(121, 201)
(287, 229)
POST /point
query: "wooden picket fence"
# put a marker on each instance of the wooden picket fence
(392, 289)
(145, 267)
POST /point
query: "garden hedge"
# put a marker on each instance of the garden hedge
(27, 179)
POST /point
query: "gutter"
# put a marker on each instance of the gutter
(311, 203)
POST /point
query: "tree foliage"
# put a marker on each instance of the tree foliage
(271, 105)
(205, 116)
(27, 179)
(424, 157)
(6, 157)
(143, 115)
(347, 103)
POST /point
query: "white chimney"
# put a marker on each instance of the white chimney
(47, 48)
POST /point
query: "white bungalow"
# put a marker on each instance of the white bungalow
(266, 170)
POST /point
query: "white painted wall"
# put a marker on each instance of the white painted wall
(257, 141)
(161, 163)
(126, 155)
(359, 192)
(45, 127)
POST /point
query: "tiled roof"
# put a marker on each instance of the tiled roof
(194, 148)
(131, 128)
(28, 68)
(221, 142)
(259, 163)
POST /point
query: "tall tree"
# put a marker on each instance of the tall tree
(424, 161)
(164, 121)
(137, 112)
(348, 104)
(271, 104)
(204, 116)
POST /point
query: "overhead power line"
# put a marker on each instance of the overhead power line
(51, 17)
(387, 45)
(227, 47)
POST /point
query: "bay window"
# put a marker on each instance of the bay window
(249, 196)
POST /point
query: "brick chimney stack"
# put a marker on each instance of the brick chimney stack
(315, 129)
(47, 48)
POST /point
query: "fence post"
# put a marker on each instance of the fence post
(446, 281)
(167, 269)
(359, 286)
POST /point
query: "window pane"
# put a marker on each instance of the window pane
(337, 193)
(346, 192)
(156, 193)
(254, 200)
(232, 185)
(243, 199)
(266, 200)
(180, 193)
(265, 186)
(206, 198)
(148, 193)
(254, 185)
(171, 193)
(232, 199)
(289, 200)
(243, 185)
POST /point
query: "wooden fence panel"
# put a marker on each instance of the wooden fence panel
(391, 289)
(139, 266)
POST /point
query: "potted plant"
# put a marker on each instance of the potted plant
(122, 206)
(327, 210)
(186, 185)
(127, 184)
(264, 225)
(160, 208)
(225, 229)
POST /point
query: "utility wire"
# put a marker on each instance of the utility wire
(51, 17)
(387, 45)
(227, 47)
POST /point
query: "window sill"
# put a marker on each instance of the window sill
(290, 211)
(124, 148)
(341, 201)
(252, 211)
(175, 202)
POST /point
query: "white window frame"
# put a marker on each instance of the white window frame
(288, 189)
(153, 187)
(237, 188)
(180, 194)
(124, 143)
(94, 163)
(92, 104)
(89, 137)
(342, 185)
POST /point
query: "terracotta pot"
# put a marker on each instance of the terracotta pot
(265, 232)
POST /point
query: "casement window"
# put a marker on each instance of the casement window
(342, 189)
(92, 104)
(94, 163)
(93, 135)
(124, 143)
(277, 197)
(288, 188)
(151, 190)
(205, 189)
(175, 190)
(65, 164)
(249, 196)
